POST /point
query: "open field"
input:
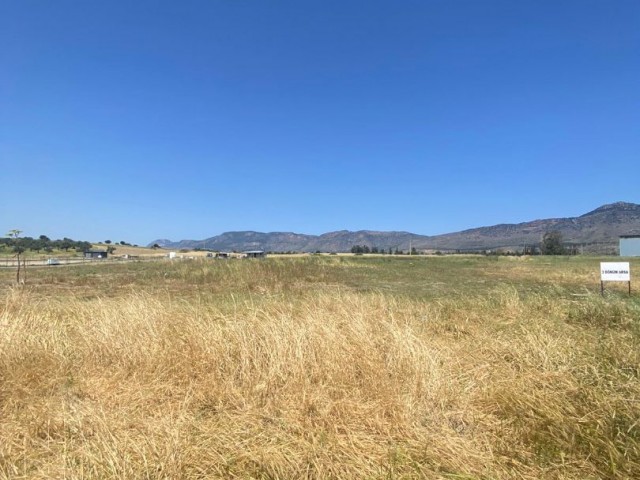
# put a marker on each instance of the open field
(320, 367)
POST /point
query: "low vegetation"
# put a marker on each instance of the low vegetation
(320, 367)
(14, 243)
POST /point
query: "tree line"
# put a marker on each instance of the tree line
(43, 243)
(359, 249)
(552, 243)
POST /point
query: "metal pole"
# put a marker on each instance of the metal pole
(602, 287)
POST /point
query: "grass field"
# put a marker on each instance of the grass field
(320, 367)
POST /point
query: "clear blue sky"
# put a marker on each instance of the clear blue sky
(137, 120)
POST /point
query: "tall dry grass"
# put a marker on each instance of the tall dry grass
(290, 377)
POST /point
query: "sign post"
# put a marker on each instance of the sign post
(614, 272)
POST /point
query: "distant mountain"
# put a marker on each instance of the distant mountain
(341, 241)
(601, 228)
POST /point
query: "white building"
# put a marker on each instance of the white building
(630, 245)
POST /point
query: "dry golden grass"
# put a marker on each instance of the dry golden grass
(284, 369)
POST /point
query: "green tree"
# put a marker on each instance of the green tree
(83, 246)
(66, 244)
(552, 243)
(17, 249)
(38, 245)
(360, 249)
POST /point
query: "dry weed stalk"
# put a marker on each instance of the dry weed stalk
(316, 383)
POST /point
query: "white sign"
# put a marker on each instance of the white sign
(615, 272)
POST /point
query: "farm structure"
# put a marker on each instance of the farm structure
(95, 254)
(254, 254)
(630, 245)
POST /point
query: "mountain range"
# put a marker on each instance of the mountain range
(595, 231)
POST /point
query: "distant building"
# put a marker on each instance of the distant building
(630, 245)
(95, 254)
(254, 254)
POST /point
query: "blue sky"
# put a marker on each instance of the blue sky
(142, 120)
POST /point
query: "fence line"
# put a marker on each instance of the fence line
(12, 262)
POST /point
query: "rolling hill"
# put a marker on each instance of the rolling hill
(596, 231)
